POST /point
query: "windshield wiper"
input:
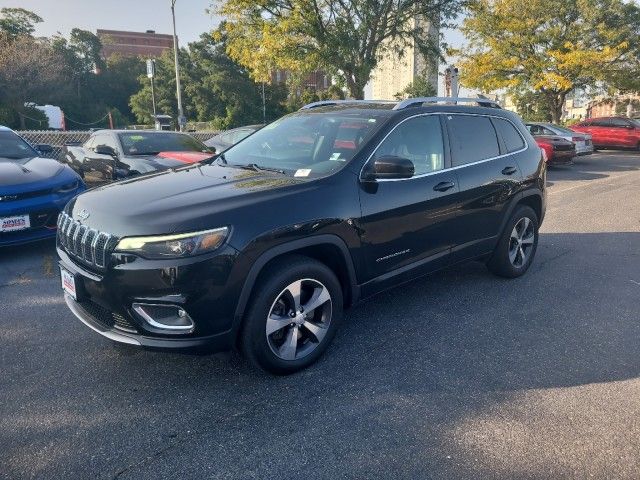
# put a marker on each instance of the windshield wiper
(260, 168)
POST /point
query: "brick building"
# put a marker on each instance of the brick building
(134, 44)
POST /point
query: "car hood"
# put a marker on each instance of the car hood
(187, 199)
(28, 171)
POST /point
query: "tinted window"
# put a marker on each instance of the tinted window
(14, 147)
(512, 139)
(619, 122)
(151, 143)
(601, 122)
(473, 139)
(418, 139)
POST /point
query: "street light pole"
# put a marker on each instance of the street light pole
(181, 118)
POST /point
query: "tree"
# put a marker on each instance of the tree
(420, 87)
(30, 71)
(18, 22)
(216, 89)
(345, 38)
(548, 46)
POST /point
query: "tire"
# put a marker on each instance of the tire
(269, 334)
(507, 260)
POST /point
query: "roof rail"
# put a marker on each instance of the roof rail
(416, 102)
(326, 103)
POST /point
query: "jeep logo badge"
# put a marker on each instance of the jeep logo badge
(83, 214)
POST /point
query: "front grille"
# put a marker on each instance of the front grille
(107, 318)
(91, 247)
(25, 195)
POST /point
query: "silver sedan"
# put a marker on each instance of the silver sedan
(583, 141)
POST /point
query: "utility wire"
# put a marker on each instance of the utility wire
(86, 124)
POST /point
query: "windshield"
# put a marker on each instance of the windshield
(305, 144)
(635, 122)
(152, 143)
(14, 147)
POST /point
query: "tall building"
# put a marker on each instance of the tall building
(395, 72)
(134, 44)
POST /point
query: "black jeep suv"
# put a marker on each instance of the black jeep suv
(264, 246)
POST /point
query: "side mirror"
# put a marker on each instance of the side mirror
(389, 167)
(105, 150)
(44, 148)
(629, 127)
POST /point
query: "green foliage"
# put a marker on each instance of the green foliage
(344, 38)
(216, 89)
(18, 22)
(31, 71)
(532, 106)
(550, 46)
(420, 87)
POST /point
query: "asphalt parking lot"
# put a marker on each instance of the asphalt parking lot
(457, 375)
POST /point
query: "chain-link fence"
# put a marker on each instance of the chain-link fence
(58, 139)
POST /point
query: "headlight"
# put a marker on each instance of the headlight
(68, 188)
(174, 246)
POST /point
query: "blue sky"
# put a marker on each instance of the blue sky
(137, 15)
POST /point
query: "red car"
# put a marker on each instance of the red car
(557, 151)
(612, 132)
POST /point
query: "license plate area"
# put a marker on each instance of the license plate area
(15, 223)
(69, 283)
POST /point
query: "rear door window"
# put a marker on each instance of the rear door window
(473, 139)
(619, 123)
(512, 139)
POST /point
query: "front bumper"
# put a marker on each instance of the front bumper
(43, 213)
(87, 315)
(202, 286)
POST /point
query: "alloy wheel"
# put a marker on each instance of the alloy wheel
(299, 319)
(521, 242)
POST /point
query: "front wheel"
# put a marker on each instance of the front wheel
(293, 315)
(517, 246)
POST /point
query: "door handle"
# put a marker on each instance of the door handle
(444, 186)
(509, 170)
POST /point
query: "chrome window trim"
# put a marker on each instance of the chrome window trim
(526, 146)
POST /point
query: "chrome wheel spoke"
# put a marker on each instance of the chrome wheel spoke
(513, 253)
(320, 297)
(528, 240)
(277, 322)
(522, 255)
(318, 331)
(295, 290)
(288, 349)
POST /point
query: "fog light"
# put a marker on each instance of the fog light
(166, 317)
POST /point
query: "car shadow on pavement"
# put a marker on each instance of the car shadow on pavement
(409, 371)
(597, 165)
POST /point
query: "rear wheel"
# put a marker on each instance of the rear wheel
(517, 246)
(296, 308)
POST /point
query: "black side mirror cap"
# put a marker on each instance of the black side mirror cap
(105, 150)
(388, 168)
(44, 148)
